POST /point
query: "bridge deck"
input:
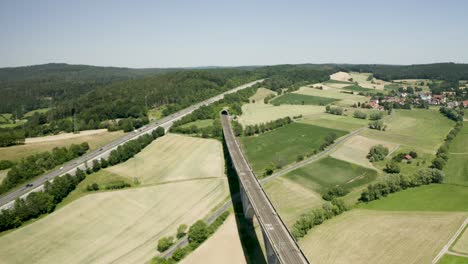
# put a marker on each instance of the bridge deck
(284, 246)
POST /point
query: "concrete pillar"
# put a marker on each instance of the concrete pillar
(246, 206)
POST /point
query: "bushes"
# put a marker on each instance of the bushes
(317, 216)
(181, 231)
(334, 110)
(376, 115)
(38, 203)
(6, 164)
(360, 114)
(377, 153)
(92, 187)
(117, 185)
(395, 183)
(378, 125)
(265, 127)
(392, 167)
(198, 232)
(165, 243)
(334, 192)
(37, 164)
(442, 155)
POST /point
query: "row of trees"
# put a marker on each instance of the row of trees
(39, 203)
(442, 155)
(197, 234)
(317, 216)
(265, 127)
(377, 125)
(34, 165)
(398, 182)
(10, 137)
(453, 113)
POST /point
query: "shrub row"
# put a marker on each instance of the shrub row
(265, 127)
(395, 183)
(454, 114)
(317, 216)
(442, 155)
(37, 164)
(334, 110)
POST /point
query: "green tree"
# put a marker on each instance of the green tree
(181, 231)
(198, 233)
(165, 243)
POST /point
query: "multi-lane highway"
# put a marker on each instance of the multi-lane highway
(37, 184)
(275, 231)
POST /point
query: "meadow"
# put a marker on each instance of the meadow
(199, 123)
(367, 236)
(302, 99)
(260, 95)
(343, 122)
(418, 128)
(328, 172)
(456, 170)
(282, 146)
(261, 113)
(346, 99)
(451, 259)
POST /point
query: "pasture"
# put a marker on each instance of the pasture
(356, 148)
(261, 113)
(291, 199)
(433, 197)
(329, 172)
(451, 259)
(118, 226)
(174, 158)
(343, 122)
(418, 128)
(366, 236)
(282, 146)
(95, 139)
(302, 99)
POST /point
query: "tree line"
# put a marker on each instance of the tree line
(442, 154)
(34, 165)
(251, 130)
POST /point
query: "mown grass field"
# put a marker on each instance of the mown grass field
(461, 244)
(174, 158)
(302, 99)
(282, 146)
(347, 123)
(260, 95)
(366, 236)
(451, 259)
(260, 113)
(200, 123)
(328, 172)
(418, 128)
(434, 197)
(119, 226)
(95, 141)
(456, 170)
(291, 199)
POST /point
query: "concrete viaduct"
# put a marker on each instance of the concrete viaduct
(279, 243)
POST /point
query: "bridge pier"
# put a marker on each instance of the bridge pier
(246, 206)
(270, 252)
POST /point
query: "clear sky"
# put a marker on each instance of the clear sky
(178, 33)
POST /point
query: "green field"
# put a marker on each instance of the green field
(302, 99)
(199, 123)
(460, 143)
(329, 172)
(155, 113)
(357, 88)
(434, 197)
(347, 123)
(418, 128)
(335, 81)
(456, 169)
(451, 259)
(282, 146)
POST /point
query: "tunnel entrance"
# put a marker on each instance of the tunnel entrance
(224, 112)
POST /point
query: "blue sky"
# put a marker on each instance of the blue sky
(229, 33)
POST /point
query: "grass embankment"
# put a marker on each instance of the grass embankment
(301, 99)
(199, 123)
(282, 146)
(451, 259)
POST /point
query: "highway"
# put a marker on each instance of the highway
(7, 200)
(281, 241)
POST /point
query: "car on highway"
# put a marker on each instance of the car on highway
(61, 168)
(29, 185)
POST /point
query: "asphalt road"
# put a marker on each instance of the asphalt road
(7, 200)
(282, 242)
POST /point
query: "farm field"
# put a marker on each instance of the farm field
(366, 236)
(461, 245)
(174, 158)
(346, 99)
(283, 145)
(92, 232)
(340, 76)
(433, 197)
(328, 172)
(302, 99)
(95, 139)
(451, 259)
(347, 123)
(261, 94)
(199, 123)
(418, 128)
(260, 113)
(224, 246)
(291, 199)
(356, 148)
(361, 78)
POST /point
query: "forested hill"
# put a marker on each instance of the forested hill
(437, 71)
(32, 87)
